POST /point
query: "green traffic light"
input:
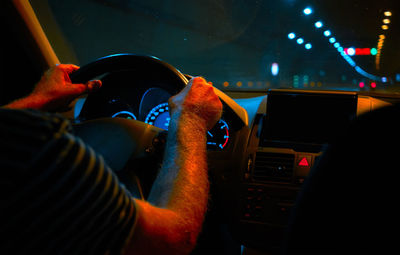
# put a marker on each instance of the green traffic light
(373, 51)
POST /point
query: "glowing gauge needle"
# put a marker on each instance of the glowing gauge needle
(218, 136)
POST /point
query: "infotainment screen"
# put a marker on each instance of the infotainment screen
(300, 117)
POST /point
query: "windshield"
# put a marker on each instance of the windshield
(240, 45)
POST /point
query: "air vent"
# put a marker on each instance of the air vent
(273, 167)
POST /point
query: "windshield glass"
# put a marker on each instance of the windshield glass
(239, 44)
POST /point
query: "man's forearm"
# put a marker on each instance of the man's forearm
(179, 194)
(172, 221)
(29, 102)
(182, 184)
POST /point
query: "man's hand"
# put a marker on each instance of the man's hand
(197, 101)
(55, 91)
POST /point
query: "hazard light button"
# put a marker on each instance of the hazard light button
(304, 160)
(303, 164)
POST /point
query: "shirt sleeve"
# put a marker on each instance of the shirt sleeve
(60, 197)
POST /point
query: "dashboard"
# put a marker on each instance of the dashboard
(256, 166)
(147, 101)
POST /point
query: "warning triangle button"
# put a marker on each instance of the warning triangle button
(304, 162)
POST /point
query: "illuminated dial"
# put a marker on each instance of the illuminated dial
(159, 116)
(218, 136)
(124, 114)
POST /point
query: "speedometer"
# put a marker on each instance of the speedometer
(217, 137)
(159, 116)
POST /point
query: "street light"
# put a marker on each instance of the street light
(307, 11)
(318, 24)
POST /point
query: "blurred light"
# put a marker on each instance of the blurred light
(388, 14)
(373, 85)
(398, 77)
(373, 51)
(327, 33)
(274, 69)
(384, 79)
(386, 21)
(307, 11)
(340, 49)
(308, 46)
(296, 81)
(361, 84)
(336, 45)
(300, 41)
(349, 60)
(239, 84)
(363, 51)
(291, 36)
(351, 51)
(318, 24)
(225, 84)
(385, 27)
(365, 74)
(381, 36)
(332, 40)
(305, 79)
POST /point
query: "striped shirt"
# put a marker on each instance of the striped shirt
(57, 195)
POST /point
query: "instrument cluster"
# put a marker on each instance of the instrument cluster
(154, 110)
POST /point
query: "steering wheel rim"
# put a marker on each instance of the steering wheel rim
(127, 61)
(134, 138)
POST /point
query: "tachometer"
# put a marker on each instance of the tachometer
(218, 136)
(124, 114)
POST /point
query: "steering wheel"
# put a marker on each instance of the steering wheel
(140, 64)
(128, 144)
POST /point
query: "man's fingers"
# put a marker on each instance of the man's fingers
(80, 88)
(195, 80)
(93, 85)
(65, 70)
(68, 68)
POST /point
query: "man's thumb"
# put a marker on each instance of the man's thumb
(93, 85)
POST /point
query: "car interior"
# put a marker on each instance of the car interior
(304, 153)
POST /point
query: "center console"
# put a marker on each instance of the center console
(286, 140)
